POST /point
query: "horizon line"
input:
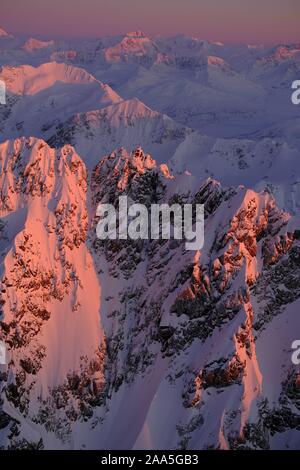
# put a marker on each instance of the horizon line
(26, 35)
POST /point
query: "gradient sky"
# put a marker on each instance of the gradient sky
(234, 21)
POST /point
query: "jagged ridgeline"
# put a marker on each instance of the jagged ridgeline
(192, 348)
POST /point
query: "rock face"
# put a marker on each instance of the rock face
(142, 344)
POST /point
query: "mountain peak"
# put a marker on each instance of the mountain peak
(117, 171)
(33, 44)
(142, 161)
(3, 33)
(138, 161)
(216, 61)
(135, 34)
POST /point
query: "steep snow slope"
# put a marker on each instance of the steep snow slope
(48, 321)
(27, 80)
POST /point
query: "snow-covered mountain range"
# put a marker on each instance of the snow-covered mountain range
(192, 348)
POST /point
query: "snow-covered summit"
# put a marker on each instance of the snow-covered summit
(3, 33)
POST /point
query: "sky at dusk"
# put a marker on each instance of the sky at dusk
(234, 21)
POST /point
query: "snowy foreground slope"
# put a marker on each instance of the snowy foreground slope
(193, 349)
(142, 344)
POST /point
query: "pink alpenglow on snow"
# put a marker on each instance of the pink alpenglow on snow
(146, 342)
